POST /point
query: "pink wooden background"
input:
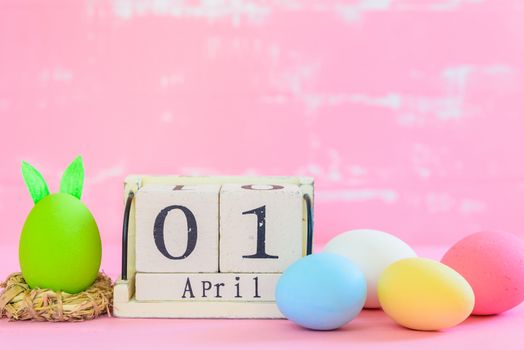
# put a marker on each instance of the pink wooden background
(409, 113)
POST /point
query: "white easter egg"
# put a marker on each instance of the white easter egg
(372, 251)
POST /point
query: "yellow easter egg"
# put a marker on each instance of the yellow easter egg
(424, 294)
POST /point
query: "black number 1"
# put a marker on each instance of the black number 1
(261, 234)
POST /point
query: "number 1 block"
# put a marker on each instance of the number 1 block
(260, 227)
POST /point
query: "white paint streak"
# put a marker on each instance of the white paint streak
(439, 203)
(408, 108)
(443, 202)
(434, 5)
(450, 5)
(256, 11)
(355, 11)
(456, 78)
(357, 195)
(58, 74)
(443, 108)
(411, 110)
(391, 101)
(294, 80)
(499, 70)
(104, 175)
(315, 101)
(234, 10)
(471, 206)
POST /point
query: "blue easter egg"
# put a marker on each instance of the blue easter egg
(321, 291)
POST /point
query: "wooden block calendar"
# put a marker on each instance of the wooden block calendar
(210, 247)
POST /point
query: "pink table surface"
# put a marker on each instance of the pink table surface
(370, 330)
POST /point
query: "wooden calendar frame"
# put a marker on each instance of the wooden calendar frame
(124, 302)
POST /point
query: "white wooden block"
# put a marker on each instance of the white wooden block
(239, 287)
(177, 228)
(260, 227)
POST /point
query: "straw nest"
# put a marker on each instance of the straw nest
(19, 302)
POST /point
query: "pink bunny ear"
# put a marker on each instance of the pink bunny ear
(73, 179)
(35, 182)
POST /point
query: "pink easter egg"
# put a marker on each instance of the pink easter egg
(493, 264)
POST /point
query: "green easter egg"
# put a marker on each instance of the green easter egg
(60, 247)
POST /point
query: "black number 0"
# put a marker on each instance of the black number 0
(158, 232)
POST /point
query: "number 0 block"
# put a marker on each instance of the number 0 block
(260, 227)
(177, 228)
